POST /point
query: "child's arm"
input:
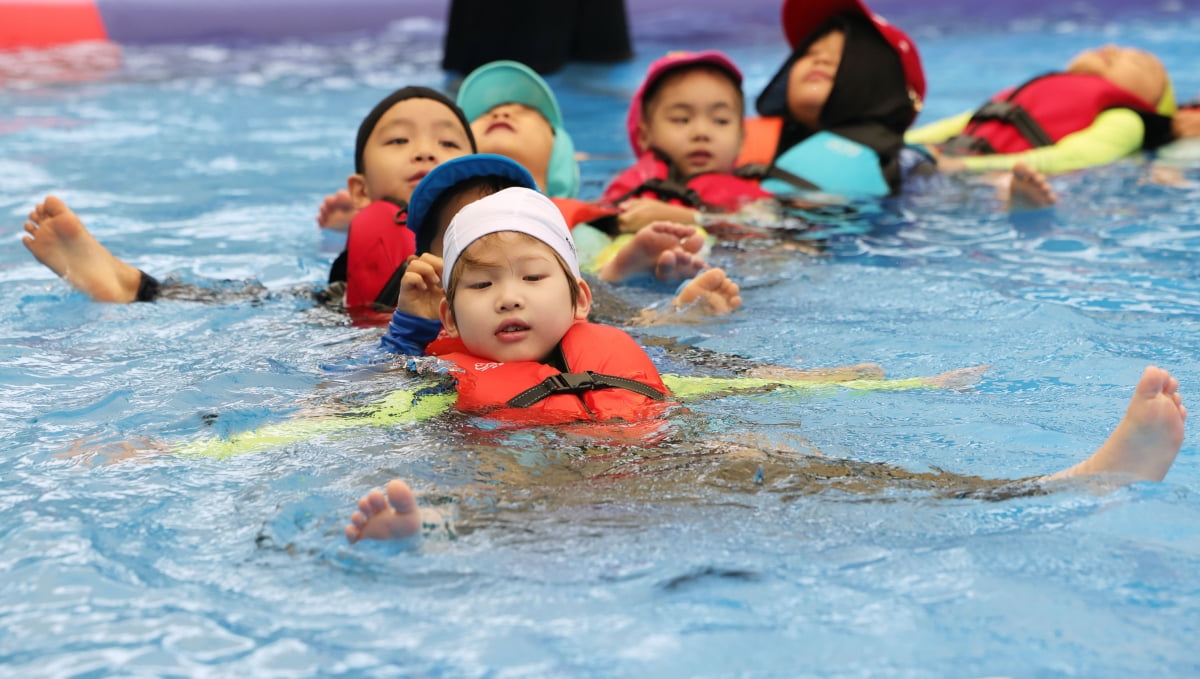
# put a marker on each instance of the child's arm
(403, 406)
(939, 130)
(637, 213)
(408, 335)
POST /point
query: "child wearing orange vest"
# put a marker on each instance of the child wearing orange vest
(515, 314)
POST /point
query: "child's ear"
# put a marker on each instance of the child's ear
(584, 306)
(356, 184)
(643, 137)
(447, 318)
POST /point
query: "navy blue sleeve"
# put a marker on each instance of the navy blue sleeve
(409, 335)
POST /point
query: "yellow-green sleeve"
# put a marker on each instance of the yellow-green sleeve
(400, 407)
(1114, 134)
(939, 130)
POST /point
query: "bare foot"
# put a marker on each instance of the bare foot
(712, 293)
(860, 371)
(336, 211)
(1028, 189)
(1147, 439)
(60, 241)
(666, 248)
(393, 516)
(677, 265)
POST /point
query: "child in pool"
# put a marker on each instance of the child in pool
(1109, 102)
(515, 317)
(408, 133)
(835, 113)
(439, 197)
(685, 125)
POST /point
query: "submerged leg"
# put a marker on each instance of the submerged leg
(1147, 439)
(58, 239)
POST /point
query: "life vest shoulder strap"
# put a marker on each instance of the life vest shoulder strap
(760, 142)
(577, 383)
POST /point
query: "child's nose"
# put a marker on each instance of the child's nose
(508, 298)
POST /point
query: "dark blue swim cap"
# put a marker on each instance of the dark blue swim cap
(450, 174)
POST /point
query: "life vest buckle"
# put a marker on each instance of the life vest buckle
(572, 383)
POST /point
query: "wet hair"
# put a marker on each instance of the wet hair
(650, 96)
(367, 126)
(427, 230)
(466, 259)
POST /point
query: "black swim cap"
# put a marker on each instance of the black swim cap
(412, 92)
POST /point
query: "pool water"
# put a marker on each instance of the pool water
(207, 163)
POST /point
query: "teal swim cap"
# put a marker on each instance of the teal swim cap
(511, 82)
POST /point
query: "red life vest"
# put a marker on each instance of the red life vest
(650, 177)
(606, 368)
(379, 242)
(577, 212)
(1041, 112)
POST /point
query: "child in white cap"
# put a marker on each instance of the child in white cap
(516, 329)
(515, 321)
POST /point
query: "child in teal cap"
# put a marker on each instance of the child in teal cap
(514, 113)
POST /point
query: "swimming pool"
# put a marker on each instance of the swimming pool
(208, 161)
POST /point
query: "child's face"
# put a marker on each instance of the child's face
(407, 142)
(811, 78)
(1131, 69)
(695, 118)
(512, 299)
(518, 132)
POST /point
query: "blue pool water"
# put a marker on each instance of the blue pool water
(207, 163)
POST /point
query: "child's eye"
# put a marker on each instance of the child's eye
(478, 285)
(534, 277)
(679, 120)
(398, 141)
(451, 145)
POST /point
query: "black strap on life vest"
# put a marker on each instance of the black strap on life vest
(1005, 112)
(772, 171)
(577, 383)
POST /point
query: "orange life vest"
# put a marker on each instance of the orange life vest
(610, 377)
(762, 137)
(577, 212)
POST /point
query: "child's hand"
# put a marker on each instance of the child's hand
(639, 212)
(421, 291)
(1186, 123)
(336, 211)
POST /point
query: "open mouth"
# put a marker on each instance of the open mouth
(500, 125)
(512, 327)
